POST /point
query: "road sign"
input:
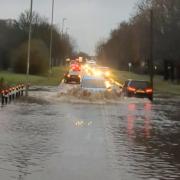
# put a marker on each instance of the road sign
(130, 65)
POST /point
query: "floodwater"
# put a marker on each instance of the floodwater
(60, 137)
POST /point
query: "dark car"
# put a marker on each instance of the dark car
(136, 88)
(72, 77)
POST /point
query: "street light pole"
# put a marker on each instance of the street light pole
(51, 37)
(67, 29)
(62, 35)
(151, 49)
(29, 47)
(63, 22)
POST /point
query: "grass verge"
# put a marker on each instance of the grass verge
(53, 80)
(56, 76)
(160, 85)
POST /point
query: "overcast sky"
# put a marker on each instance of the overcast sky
(88, 20)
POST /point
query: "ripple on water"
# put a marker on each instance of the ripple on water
(28, 136)
(146, 141)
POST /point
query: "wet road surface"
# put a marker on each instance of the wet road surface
(49, 137)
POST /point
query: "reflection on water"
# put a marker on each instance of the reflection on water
(132, 119)
(81, 123)
(130, 126)
(151, 148)
(27, 138)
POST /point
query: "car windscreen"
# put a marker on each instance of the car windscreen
(93, 83)
(139, 84)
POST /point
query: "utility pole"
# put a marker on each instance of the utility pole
(151, 63)
(51, 38)
(62, 36)
(29, 48)
(62, 30)
(67, 29)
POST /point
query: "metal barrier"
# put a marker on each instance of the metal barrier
(9, 94)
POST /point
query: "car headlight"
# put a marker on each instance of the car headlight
(97, 73)
(107, 73)
(107, 84)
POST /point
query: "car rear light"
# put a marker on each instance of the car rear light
(132, 89)
(149, 90)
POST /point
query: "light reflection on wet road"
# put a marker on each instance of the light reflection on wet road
(131, 139)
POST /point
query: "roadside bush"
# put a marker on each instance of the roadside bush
(1, 83)
(38, 59)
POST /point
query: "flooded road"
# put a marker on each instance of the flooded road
(55, 137)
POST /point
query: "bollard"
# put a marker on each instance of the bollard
(17, 92)
(17, 89)
(6, 95)
(2, 97)
(22, 89)
(10, 95)
(13, 93)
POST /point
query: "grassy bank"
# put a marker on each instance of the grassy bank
(160, 85)
(58, 72)
(52, 80)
